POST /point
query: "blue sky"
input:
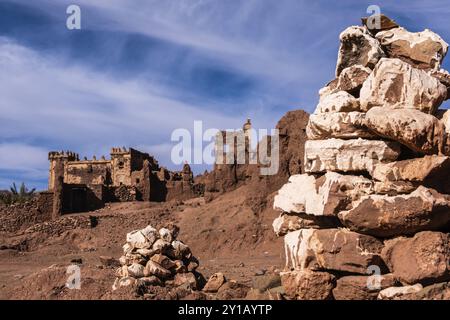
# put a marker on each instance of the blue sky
(137, 70)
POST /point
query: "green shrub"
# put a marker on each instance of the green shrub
(16, 196)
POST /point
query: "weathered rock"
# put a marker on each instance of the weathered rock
(193, 264)
(340, 101)
(150, 233)
(417, 169)
(377, 23)
(362, 287)
(352, 78)
(180, 267)
(187, 279)
(163, 261)
(357, 47)
(214, 283)
(288, 222)
(146, 253)
(137, 239)
(341, 125)
(307, 285)
(421, 259)
(180, 250)
(444, 77)
(123, 282)
(396, 292)
(165, 234)
(418, 131)
(150, 281)
(127, 248)
(136, 270)
(393, 188)
(326, 195)
(292, 137)
(121, 272)
(161, 246)
(348, 155)
(154, 269)
(265, 282)
(131, 258)
(437, 291)
(385, 216)
(423, 50)
(394, 83)
(444, 116)
(332, 249)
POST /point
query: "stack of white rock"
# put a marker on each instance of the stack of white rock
(155, 258)
(370, 218)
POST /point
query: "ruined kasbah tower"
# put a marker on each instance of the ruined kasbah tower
(129, 175)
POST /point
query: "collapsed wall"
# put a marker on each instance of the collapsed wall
(370, 217)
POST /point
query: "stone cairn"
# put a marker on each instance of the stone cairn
(370, 217)
(156, 258)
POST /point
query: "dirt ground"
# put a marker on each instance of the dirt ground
(224, 234)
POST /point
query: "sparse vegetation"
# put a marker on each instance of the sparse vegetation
(14, 195)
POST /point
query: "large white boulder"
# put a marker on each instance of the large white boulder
(418, 131)
(341, 125)
(395, 83)
(348, 155)
(322, 196)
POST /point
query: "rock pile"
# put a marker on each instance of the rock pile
(370, 217)
(156, 258)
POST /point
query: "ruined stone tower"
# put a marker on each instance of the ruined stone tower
(58, 160)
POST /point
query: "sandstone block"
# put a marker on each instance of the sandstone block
(341, 125)
(307, 285)
(418, 131)
(185, 279)
(362, 287)
(348, 155)
(352, 78)
(386, 216)
(421, 259)
(332, 249)
(397, 292)
(137, 239)
(340, 101)
(394, 83)
(288, 222)
(136, 270)
(323, 196)
(154, 269)
(417, 169)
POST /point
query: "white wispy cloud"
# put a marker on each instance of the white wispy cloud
(286, 48)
